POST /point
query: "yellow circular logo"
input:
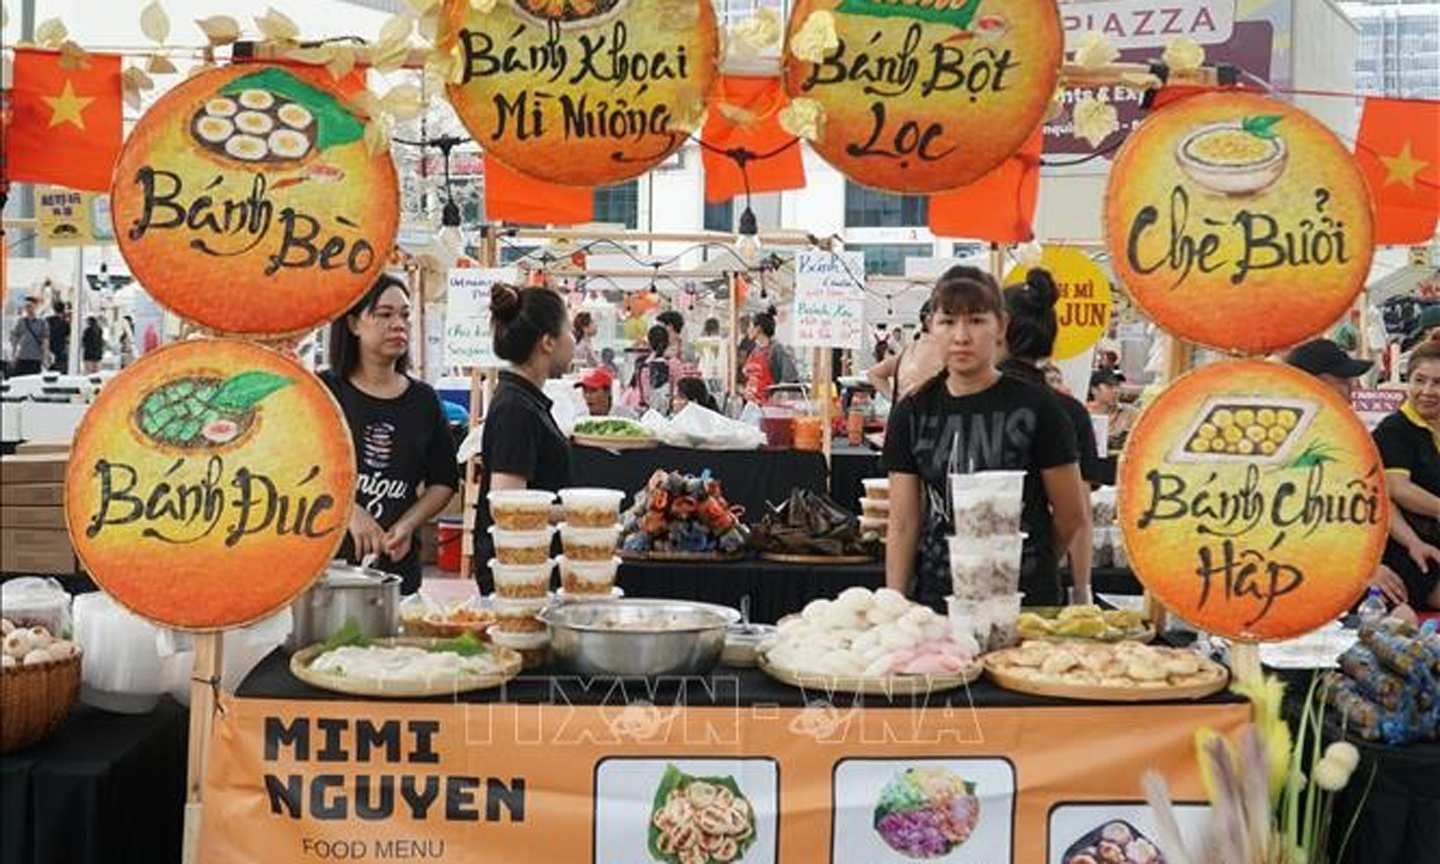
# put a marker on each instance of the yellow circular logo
(1238, 222)
(1084, 308)
(187, 496)
(923, 97)
(245, 201)
(1253, 501)
(581, 92)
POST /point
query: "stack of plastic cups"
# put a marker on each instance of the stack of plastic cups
(875, 507)
(590, 535)
(985, 556)
(521, 570)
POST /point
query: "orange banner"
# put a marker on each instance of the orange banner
(377, 781)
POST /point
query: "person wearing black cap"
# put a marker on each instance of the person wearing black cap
(1105, 398)
(1328, 361)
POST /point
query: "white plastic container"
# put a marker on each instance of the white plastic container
(877, 488)
(521, 509)
(588, 577)
(589, 544)
(518, 616)
(875, 508)
(563, 596)
(521, 581)
(591, 508)
(522, 547)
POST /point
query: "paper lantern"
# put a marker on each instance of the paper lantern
(187, 496)
(581, 92)
(1239, 222)
(246, 201)
(923, 98)
(1253, 501)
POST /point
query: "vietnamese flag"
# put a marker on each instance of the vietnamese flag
(1399, 152)
(512, 197)
(65, 124)
(753, 124)
(999, 207)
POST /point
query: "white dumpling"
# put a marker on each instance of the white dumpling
(856, 599)
(878, 615)
(838, 617)
(935, 629)
(891, 600)
(846, 663)
(815, 610)
(865, 641)
(878, 667)
(875, 652)
(918, 615)
(896, 639)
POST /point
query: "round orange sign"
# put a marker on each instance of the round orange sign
(186, 496)
(1253, 501)
(1232, 207)
(923, 97)
(246, 201)
(581, 92)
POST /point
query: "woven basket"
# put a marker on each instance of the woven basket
(35, 700)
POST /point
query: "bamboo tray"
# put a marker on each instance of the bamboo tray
(894, 685)
(820, 560)
(617, 442)
(1215, 681)
(403, 689)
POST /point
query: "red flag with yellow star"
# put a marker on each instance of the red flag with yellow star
(1399, 151)
(65, 125)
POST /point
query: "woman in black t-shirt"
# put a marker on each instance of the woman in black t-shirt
(1408, 442)
(972, 418)
(1030, 336)
(521, 447)
(402, 441)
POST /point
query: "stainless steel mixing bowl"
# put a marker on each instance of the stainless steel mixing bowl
(638, 637)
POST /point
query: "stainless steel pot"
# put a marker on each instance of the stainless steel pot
(369, 597)
(638, 637)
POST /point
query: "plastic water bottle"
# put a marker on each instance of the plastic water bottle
(1372, 609)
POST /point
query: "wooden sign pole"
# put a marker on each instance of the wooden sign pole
(732, 341)
(204, 684)
(822, 393)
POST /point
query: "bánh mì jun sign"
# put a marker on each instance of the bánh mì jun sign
(1253, 501)
(581, 92)
(245, 200)
(189, 495)
(923, 97)
(1233, 207)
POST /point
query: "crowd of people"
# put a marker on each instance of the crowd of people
(40, 343)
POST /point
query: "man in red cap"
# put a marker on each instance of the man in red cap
(597, 387)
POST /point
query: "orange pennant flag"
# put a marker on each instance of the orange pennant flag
(745, 114)
(999, 207)
(65, 124)
(1399, 152)
(512, 197)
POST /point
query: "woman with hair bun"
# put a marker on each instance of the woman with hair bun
(769, 363)
(971, 418)
(1030, 338)
(521, 447)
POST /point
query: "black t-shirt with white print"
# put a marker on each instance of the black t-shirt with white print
(401, 445)
(1010, 426)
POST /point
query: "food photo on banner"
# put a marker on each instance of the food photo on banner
(421, 530)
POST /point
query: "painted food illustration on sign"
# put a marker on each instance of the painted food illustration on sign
(247, 201)
(1256, 430)
(1268, 221)
(205, 411)
(189, 457)
(581, 92)
(1116, 842)
(1241, 158)
(923, 97)
(700, 820)
(1252, 501)
(926, 812)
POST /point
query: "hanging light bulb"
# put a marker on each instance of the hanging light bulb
(747, 244)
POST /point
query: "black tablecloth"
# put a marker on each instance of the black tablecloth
(107, 788)
(727, 687)
(749, 477)
(848, 466)
(775, 590)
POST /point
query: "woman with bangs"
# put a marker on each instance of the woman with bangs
(971, 418)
